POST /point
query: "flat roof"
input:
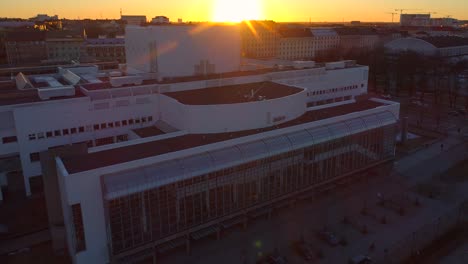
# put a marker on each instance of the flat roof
(446, 41)
(10, 95)
(115, 156)
(148, 131)
(233, 94)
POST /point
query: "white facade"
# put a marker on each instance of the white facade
(183, 50)
(41, 125)
(84, 187)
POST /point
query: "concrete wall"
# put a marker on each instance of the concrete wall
(330, 79)
(86, 191)
(232, 117)
(177, 49)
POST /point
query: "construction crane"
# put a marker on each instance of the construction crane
(401, 10)
(393, 14)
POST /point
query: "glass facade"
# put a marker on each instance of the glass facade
(170, 207)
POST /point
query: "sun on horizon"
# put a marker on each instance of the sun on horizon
(236, 11)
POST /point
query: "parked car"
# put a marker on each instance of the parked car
(360, 259)
(328, 237)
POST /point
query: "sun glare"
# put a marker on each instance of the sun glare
(237, 10)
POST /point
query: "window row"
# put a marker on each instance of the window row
(89, 128)
(334, 90)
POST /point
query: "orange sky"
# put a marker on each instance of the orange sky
(207, 10)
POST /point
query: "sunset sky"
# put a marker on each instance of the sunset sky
(234, 10)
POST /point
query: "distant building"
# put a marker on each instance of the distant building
(160, 20)
(64, 46)
(450, 47)
(134, 20)
(3, 54)
(43, 17)
(444, 22)
(325, 40)
(259, 39)
(296, 44)
(415, 20)
(186, 50)
(357, 38)
(25, 47)
(105, 49)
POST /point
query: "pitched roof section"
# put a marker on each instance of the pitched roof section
(296, 33)
(447, 42)
(25, 36)
(355, 31)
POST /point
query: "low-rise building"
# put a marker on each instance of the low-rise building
(160, 20)
(105, 49)
(133, 20)
(260, 39)
(325, 40)
(27, 47)
(64, 46)
(357, 38)
(296, 44)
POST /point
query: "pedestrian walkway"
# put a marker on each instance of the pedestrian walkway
(436, 158)
(24, 241)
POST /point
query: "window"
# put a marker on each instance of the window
(49, 134)
(110, 125)
(121, 138)
(32, 136)
(81, 129)
(80, 242)
(103, 125)
(96, 127)
(40, 135)
(57, 133)
(143, 119)
(9, 139)
(124, 122)
(65, 132)
(104, 141)
(130, 121)
(89, 128)
(34, 157)
(117, 123)
(137, 120)
(73, 130)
